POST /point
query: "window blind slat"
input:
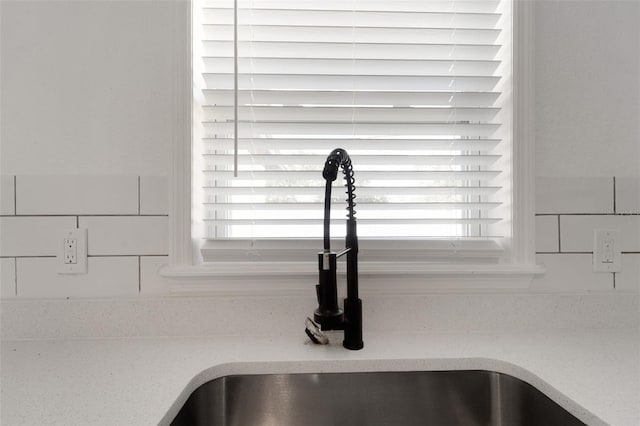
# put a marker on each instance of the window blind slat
(337, 221)
(337, 34)
(334, 50)
(360, 17)
(348, 114)
(252, 129)
(348, 67)
(413, 89)
(316, 175)
(363, 191)
(364, 160)
(322, 146)
(465, 6)
(249, 97)
(308, 206)
(357, 82)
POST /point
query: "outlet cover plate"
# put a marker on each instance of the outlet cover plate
(80, 236)
(607, 256)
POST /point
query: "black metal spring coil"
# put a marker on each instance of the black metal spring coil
(347, 169)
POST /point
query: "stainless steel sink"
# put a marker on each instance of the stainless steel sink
(440, 398)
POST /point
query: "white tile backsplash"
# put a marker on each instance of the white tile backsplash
(571, 273)
(127, 235)
(126, 217)
(547, 234)
(576, 232)
(32, 235)
(106, 277)
(150, 280)
(568, 211)
(7, 278)
(127, 222)
(7, 195)
(154, 195)
(77, 195)
(628, 195)
(574, 195)
(629, 278)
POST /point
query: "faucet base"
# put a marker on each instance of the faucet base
(329, 321)
(355, 347)
(353, 325)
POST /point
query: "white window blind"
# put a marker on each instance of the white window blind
(417, 92)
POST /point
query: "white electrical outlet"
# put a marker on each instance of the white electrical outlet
(607, 255)
(72, 255)
(70, 251)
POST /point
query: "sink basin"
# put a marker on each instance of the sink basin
(442, 398)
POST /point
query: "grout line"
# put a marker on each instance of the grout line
(15, 195)
(48, 256)
(588, 214)
(99, 215)
(139, 274)
(614, 197)
(15, 276)
(28, 257)
(126, 255)
(139, 195)
(559, 236)
(90, 255)
(564, 252)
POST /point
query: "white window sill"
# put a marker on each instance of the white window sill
(299, 278)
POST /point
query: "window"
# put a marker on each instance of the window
(420, 93)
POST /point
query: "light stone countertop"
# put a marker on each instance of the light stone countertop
(594, 374)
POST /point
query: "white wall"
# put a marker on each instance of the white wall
(587, 88)
(87, 88)
(587, 65)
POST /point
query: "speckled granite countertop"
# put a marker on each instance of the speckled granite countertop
(595, 375)
(134, 362)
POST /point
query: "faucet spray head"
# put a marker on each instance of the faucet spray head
(336, 158)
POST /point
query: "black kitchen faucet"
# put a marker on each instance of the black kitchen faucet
(329, 316)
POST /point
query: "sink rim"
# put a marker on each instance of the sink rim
(380, 365)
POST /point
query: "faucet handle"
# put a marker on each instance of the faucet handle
(343, 252)
(314, 332)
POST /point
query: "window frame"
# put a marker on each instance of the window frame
(186, 262)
